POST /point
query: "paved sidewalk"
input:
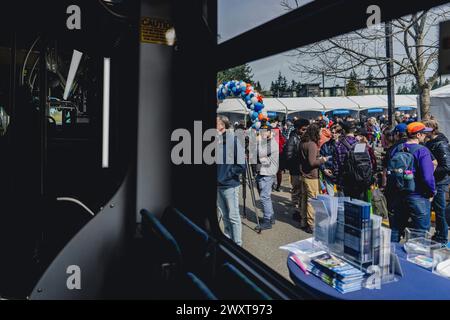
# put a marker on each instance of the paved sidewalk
(265, 246)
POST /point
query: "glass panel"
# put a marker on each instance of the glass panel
(310, 80)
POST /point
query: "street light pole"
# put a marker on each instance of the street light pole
(389, 69)
(323, 84)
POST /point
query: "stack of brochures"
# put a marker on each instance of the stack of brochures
(337, 273)
(339, 238)
(357, 231)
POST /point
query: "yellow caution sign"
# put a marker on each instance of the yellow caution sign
(157, 30)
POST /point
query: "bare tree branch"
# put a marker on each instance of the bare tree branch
(415, 50)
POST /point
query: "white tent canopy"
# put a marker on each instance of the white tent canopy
(369, 102)
(232, 106)
(324, 104)
(274, 105)
(442, 92)
(440, 108)
(337, 103)
(301, 104)
(403, 100)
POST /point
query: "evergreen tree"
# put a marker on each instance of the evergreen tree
(404, 90)
(243, 72)
(279, 86)
(414, 89)
(293, 86)
(258, 87)
(370, 79)
(435, 85)
(352, 85)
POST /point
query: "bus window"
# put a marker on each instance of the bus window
(326, 82)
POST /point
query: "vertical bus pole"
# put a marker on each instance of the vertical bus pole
(389, 68)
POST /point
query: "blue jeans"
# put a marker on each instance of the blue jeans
(420, 211)
(441, 234)
(228, 204)
(265, 191)
(403, 207)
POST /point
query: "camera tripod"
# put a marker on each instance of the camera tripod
(248, 179)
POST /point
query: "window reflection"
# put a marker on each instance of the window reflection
(4, 121)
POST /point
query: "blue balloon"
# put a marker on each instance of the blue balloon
(258, 106)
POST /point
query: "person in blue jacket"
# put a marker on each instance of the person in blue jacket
(230, 166)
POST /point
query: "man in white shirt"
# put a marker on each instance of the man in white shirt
(268, 154)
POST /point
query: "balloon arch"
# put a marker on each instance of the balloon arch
(253, 100)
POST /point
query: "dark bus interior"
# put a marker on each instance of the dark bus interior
(138, 226)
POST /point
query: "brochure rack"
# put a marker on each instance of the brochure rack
(346, 229)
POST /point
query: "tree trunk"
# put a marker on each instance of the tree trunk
(424, 95)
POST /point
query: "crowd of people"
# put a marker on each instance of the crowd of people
(408, 162)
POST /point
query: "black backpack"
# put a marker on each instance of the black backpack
(357, 171)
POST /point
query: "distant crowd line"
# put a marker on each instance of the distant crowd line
(409, 162)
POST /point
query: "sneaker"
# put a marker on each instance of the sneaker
(272, 220)
(277, 188)
(303, 224)
(264, 225)
(444, 243)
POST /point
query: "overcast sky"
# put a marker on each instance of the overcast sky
(235, 17)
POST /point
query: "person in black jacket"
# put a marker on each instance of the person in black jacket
(439, 147)
(292, 158)
(328, 150)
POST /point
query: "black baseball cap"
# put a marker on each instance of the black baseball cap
(301, 123)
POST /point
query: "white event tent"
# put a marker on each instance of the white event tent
(337, 105)
(440, 108)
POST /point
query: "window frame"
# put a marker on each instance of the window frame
(343, 15)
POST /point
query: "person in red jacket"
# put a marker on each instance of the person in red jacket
(281, 140)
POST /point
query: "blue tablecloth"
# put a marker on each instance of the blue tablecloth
(417, 283)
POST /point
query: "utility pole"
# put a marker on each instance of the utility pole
(323, 84)
(389, 69)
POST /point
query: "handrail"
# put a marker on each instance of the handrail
(81, 204)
